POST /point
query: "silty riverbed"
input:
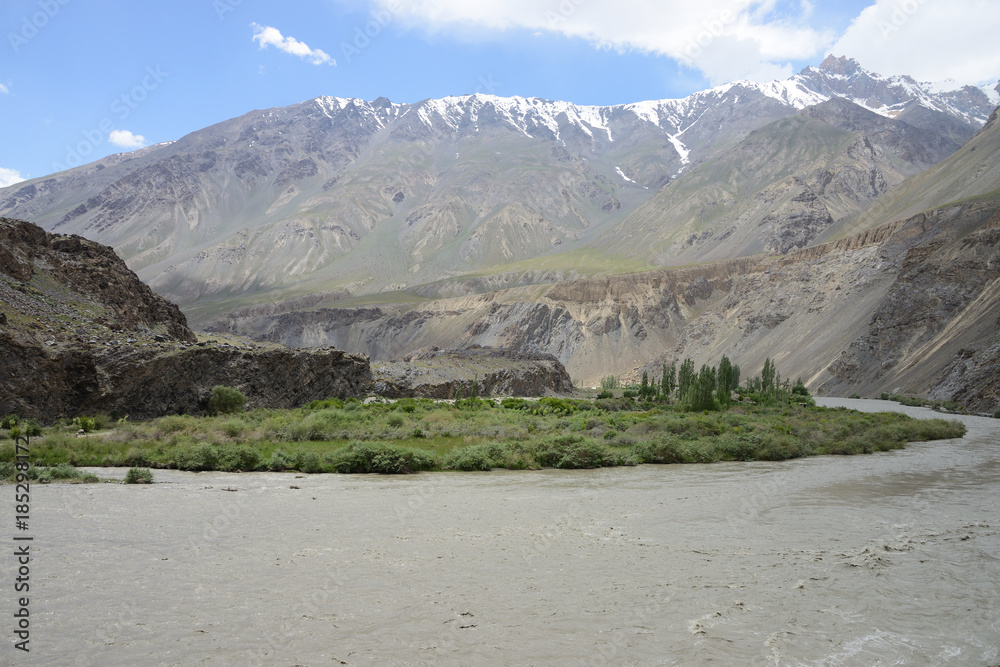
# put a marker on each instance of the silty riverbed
(890, 558)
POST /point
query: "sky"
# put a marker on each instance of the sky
(83, 79)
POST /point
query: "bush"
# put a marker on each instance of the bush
(279, 461)
(996, 413)
(364, 457)
(484, 456)
(85, 424)
(327, 403)
(226, 400)
(514, 404)
(139, 476)
(237, 459)
(198, 457)
(8, 422)
(658, 450)
(308, 462)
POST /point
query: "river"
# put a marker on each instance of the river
(884, 559)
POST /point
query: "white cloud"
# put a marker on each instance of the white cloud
(268, 36)
(126, 139)
(9, 177)
(725, 39)
(4, 89)
(930, 41)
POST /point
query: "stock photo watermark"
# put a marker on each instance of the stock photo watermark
(121, 107)
(22, 544)
(565, 10)
(364, 35)
(34, 23)
(899, 16)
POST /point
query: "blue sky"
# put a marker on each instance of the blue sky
(82, 79)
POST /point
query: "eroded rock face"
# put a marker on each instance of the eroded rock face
(442, 374)
(81, 334)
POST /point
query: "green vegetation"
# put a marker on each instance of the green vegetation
(139, 476)
(917, 402)
(225, 400)
(684, 417)
(44, 475)
(478, 434)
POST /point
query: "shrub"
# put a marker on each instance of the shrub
(364, 457)
(226, 400)
(395, 421)
(484, 456)
(308, 462)
(139, 476)
(407, 405)
(996, 413)
(279, 461)
(605, 394)
(326, 403)
(514, 404)
(237, 459)
(8, 422)
(572, 451)
(85, 424)
(201, 456)
(663, 449)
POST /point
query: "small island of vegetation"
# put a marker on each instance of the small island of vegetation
(682, 417)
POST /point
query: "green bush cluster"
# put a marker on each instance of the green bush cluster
(420, 434)
(225, 400)
(46, 474)
(139, 476)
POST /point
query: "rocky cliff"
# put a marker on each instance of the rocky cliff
(444, 374)
(80, 334)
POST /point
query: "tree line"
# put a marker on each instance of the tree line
(711, 387)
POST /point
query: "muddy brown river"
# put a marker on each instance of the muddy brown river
(886, 559)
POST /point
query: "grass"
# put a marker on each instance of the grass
(418, 434)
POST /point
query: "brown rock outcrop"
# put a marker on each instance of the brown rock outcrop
(81, 334)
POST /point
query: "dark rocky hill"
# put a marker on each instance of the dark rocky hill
(81, 334)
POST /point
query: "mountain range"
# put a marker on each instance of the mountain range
(381, 227)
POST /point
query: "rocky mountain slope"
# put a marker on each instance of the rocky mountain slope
(911, 304)
(80, 334)
(337, 197)
(447, 374)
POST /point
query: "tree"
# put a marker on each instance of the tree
(736, 377)
(685, 377)
(767, 377)
(644, 386)
(700, 394)
(669, 380)
(226, 400)
(725, 382)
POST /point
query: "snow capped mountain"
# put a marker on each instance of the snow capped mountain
(889, 96)
(673, 119)
(363, 196)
